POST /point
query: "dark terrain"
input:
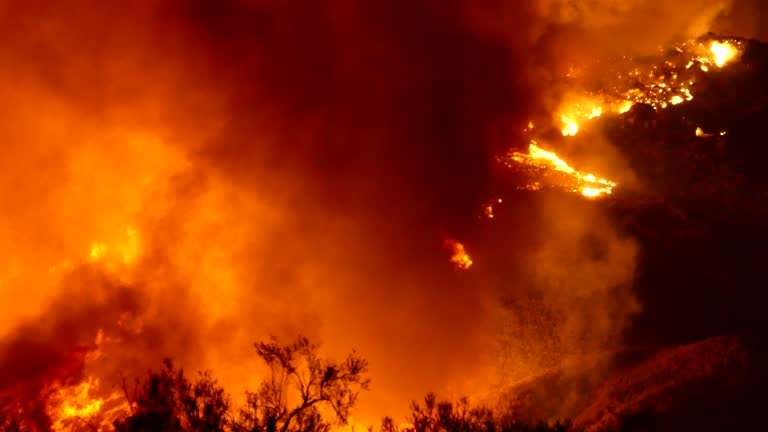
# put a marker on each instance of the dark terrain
(695, 357)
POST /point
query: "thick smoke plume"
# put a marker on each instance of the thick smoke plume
(222, 171)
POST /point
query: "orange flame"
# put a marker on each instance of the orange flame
(69, 404)
(722, 52)
(588, 185)
(570, 127)
(460, 257)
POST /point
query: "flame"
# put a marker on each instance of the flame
(570, 127)
(723, 52)
(659, 85)
(676, 100)
(459, 254)
(577, 108)
(588, 185)
(624, 107)
(591, 192)
(85, 404)
(68, 404)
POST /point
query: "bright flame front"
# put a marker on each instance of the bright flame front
(588, 185)
(722, 52)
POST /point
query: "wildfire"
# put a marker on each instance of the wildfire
(70, 404)
(459, 255)
(584, 107)
(85, 405)
(570, 127)
(659, 85)
(577, 109)
(624, 107)
(723, 52)
(588, 185)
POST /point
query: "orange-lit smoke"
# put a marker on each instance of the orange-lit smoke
(184, 178)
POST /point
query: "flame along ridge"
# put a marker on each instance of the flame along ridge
(660, 85)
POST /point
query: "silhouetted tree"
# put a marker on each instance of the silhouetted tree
(299, 386)
(388, 425)
(167, 401)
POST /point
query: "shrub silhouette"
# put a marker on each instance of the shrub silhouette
(446, 416)
(167, 401)
(300, 389)
(303, 392)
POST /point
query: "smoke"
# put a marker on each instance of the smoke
(253, 168)
(249, 169)
(634, 27)
(745, 18)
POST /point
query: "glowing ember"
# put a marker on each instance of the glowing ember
(588, 185)
(700, 133)
(489, 209)
(723, 52)
(460, 257)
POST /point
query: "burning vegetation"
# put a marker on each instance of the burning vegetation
(206, 174)
(660, 82)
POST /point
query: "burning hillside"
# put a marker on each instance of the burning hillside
(450, 190)
(660, 82)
